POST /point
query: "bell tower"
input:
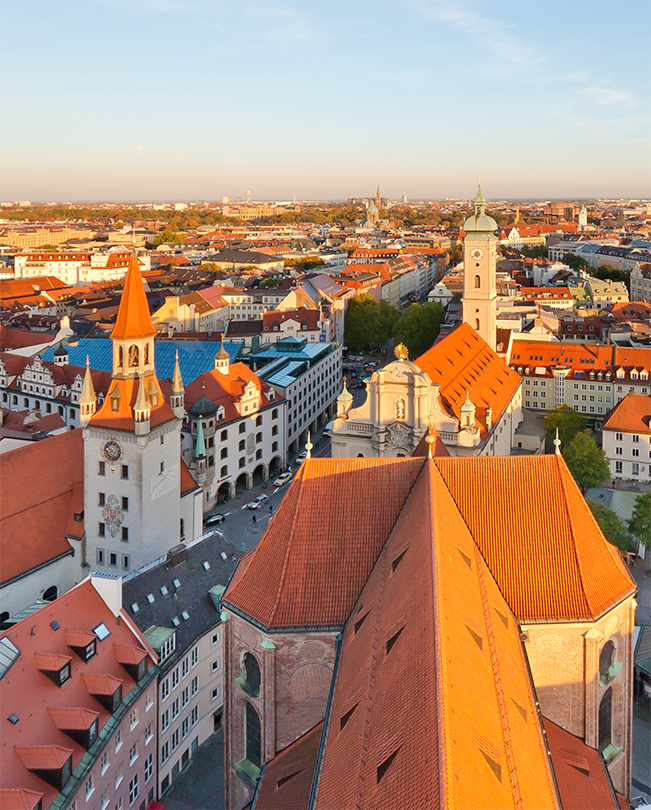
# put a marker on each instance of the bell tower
(479, 275)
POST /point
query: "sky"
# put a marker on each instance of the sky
(322, 99)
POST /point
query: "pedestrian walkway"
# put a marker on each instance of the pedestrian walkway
(201, 786)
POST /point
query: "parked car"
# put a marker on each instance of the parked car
(213, 520)
(300, 458)
(283, 479)
(258, 503)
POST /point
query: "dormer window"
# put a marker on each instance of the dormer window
(81, 642)
(55, 667)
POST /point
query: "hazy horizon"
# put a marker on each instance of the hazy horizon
(177, 100)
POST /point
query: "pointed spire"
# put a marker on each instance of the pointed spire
(87, 399)
(177, 382)
(557, 444)
(480, 201)
(142, 407)
(133, 320)
(200, 444)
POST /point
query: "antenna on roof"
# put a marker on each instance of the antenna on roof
(308, 446)
(557, 444)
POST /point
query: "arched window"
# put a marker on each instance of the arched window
(242, 427)
(477, 282)
(120, 355)
(477, 324)
(4, 617)
(242, 445)
(50, 594)
(133, 356)
(146, 352)
(606, 719)
(609, 669)
(253, 736)
(250, 675)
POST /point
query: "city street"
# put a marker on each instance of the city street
(238, 527)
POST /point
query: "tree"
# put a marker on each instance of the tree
(369, 323)
(568, 422)
(640, 522)
(168, 236)
(608, 272)
(612, 527)
(574, 262)
(418, 327)
(587, 462)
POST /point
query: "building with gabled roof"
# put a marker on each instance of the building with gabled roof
(475, 611)
(626, 438)
(87, 733)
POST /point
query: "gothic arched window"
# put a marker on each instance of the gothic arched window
(250, 675)
(253, 736)
(146, 353)
(477, 324)
(606, 719)
(477, 282)
(120, 355)
(133, 356)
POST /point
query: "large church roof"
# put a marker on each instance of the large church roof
(525, 513)
(429, 633)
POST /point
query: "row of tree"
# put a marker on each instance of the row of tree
(590, 468)
(370, 324)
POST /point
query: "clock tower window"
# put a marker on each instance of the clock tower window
(477, 282)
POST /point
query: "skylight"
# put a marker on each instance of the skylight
(206, 565)
(176, 621)
(150, 598)
(186, 615)
(163, 590)
(101, 631)
(176, 583)
(134, 607)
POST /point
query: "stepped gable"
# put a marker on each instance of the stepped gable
(317, 553)
(463, 363)
(133, 318)
(287, 780)
(429, 633)
(42, 488)
(538, 536)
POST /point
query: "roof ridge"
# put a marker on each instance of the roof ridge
(561, 461)
(497, 681)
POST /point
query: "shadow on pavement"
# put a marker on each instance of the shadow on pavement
(201, 786)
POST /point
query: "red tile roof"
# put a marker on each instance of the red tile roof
(133, 320)
(36, 740)
(19, 799)
(287, 780)
(37, 504)
(580, 772)
(631, 415)
(350, 506)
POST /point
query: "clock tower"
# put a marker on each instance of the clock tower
(139, 500)
(479, 277)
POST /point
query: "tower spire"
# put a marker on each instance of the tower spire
(87, 399)
(133, 319)
(177, 391)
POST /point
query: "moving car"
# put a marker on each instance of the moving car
(214, 520)
(300, 458)
(258, 502)
(282, 479)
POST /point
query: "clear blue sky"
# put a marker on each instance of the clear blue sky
(190, 99)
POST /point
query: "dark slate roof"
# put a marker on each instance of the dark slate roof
(243, 257)
(192, 594)
(241, 328)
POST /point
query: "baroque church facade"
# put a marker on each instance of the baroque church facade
(460, 387)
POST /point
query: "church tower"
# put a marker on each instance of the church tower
(134, 505)
(479, 276)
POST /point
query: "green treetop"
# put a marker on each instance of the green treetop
(587, 462)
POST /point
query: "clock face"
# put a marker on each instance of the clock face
(477, 254)
(111, 450)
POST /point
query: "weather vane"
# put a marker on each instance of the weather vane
(401, 352)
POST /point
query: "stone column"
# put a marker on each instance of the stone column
(269, 699)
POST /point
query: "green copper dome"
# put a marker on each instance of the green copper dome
(480, 221)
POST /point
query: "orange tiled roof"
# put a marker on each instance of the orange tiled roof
(133, 320)
(631, 415)
(37, 740)
(583, 781)
(530, 521)
(20, 799)
(463, 363)
(37, 504)
(122, 418)
(287, 778)
(292, 580)
(431, 631)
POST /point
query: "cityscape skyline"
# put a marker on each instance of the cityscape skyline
(184, 99)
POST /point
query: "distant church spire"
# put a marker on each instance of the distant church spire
(177, 391)
(378, 199)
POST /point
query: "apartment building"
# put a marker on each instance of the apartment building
(176, 606)
(641, 283)
(78, 687)
(591, 379)
(626, 438)
(77, 267)
(308, 376)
